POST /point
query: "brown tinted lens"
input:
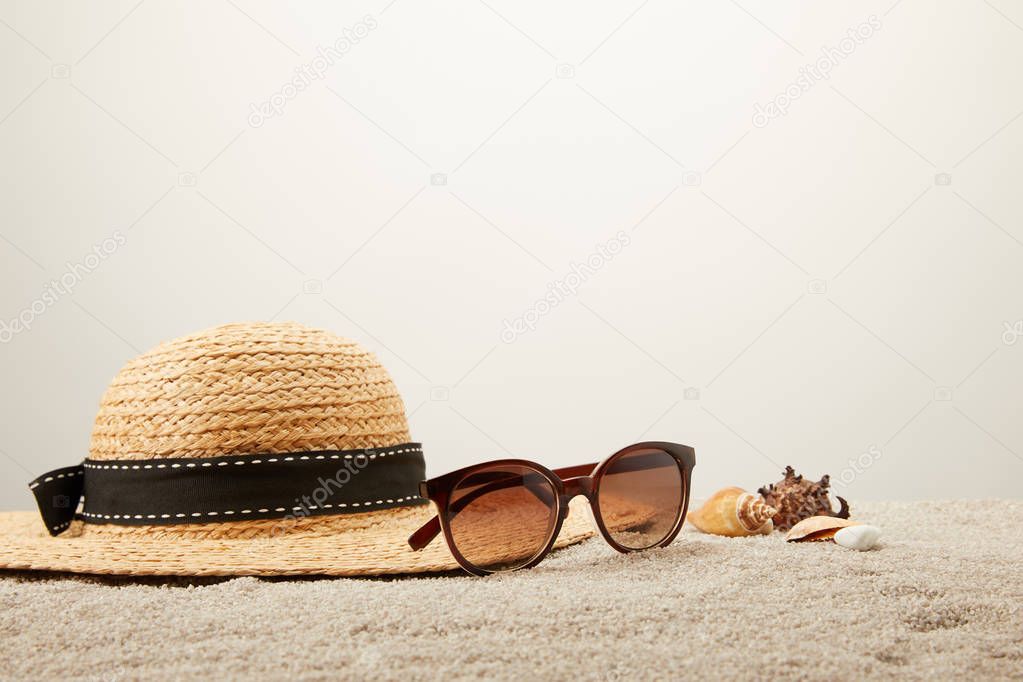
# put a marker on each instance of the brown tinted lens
(502, 517)
(640, 497)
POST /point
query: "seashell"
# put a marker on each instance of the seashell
(818, 528)
(797, 498)
(861, 538)
(733, 512)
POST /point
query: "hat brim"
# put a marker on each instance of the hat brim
(373, 543)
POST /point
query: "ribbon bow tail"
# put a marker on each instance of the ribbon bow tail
(58, 493)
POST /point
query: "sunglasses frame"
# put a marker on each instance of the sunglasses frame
(568, 482)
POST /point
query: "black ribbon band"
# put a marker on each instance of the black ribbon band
(208, 490)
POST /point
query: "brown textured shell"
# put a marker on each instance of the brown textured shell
(818, 528)
(797, 498)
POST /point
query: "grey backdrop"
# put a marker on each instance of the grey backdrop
(784, 233)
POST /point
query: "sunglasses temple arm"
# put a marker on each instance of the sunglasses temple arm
(425, 535)
(573, 471)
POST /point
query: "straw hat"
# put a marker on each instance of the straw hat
(234, 394)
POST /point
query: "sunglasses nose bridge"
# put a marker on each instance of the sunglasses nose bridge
(578, 485)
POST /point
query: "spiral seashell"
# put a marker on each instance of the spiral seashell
(753, 512)
(733, 512)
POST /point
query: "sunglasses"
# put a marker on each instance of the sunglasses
(506, 514)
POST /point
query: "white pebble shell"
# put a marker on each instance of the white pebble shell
(859, 538)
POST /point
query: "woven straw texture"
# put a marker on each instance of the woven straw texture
(245, 389)
(249, 388)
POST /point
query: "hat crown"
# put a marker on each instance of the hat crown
(249, 388)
